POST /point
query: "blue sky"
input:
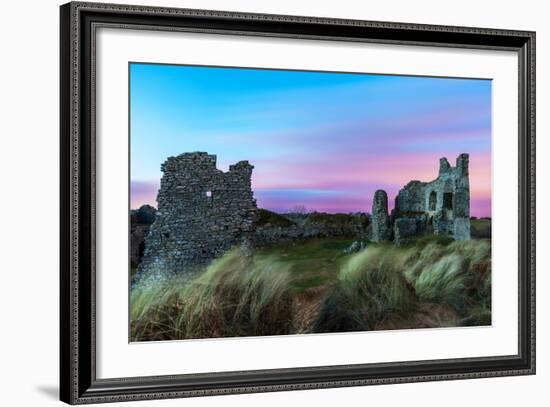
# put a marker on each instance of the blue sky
(326, 141)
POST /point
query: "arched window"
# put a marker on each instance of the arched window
(433, 200)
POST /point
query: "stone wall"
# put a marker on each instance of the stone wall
(411, 199)
(441, 206)
(202, 212)
(451, 190)
(311, 225)
(406, 228)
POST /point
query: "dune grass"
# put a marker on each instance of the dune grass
(458, 274)
(370, 288)
(386, 283)
(234, 296)
(430, 282)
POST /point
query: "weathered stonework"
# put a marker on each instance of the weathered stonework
(312, 225)
(380, 219)
(202, 212)
(405, 228)
(441, 206)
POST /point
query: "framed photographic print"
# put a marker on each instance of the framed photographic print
(256, 203)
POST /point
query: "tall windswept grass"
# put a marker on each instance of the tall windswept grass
(371, 288)
(384, 286)
(235, 296)
(457, 274)
(430, 282)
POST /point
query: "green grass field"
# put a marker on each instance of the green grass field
(313, 286)
(311, 263)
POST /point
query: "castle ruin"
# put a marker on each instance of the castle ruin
(202, 212)
(441, 206)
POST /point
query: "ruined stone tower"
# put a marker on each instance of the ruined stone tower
(380, 219)
(441, 206)
(202, 212)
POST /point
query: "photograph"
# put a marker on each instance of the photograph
(289, 197)
(284, 202)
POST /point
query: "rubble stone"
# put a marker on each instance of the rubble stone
(202, 212)
(381, 229)
(441, 206)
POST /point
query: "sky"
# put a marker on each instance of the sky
(321, 140)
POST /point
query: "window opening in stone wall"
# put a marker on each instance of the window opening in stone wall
(433, 200)
(448, 200)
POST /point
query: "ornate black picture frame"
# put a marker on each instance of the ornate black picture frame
(78, 380)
